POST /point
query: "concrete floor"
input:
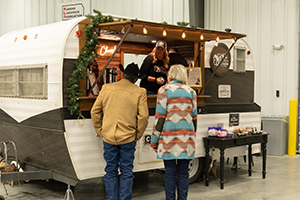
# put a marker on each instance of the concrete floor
(281, 183)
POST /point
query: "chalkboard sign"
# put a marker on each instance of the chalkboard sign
(234, 119)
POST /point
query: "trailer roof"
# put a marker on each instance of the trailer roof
(173, 31)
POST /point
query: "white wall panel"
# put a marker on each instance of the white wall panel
(277, 37)
(43, 12)
(2, 21)
(147, 10)
(168, 13)
(19, 7)
(120, 8)
(11, 17)
(266, 23)
(157, 11)
(35, 12)
(50, 11)
(177, 11)
(291, 49)
(139, 9)
(27, 14)
(265, 66)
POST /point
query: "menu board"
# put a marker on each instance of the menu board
(194, 76)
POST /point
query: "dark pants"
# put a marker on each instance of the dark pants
(177, 175)
(119, 156)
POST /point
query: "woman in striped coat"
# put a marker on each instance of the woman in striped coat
(173, 136)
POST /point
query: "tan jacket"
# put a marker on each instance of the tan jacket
(120, 112)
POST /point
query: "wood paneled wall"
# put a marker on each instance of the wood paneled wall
(118, 57)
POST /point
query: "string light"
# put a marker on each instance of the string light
(217, 40)
(145, 30)
(201, 36)
(183, 35)
(233, 40)
(164, 32)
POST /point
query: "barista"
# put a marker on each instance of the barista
(155, 68)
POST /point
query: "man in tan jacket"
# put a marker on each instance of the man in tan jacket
(120, 116)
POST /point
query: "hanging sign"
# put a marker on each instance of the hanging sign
(216, 56)
(71, 11)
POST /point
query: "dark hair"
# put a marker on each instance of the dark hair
(174, 49)
(125, 76)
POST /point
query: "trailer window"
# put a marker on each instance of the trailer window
(8, 82)
(239, 65)
(25, 81)
(31, 82)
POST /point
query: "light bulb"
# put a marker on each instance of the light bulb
(201, 37)
(145, 30)
(164, 32)
(233, 40)
(216, 44)
(218, 39)
(183, 35)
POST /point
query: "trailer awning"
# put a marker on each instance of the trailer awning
(172, 31)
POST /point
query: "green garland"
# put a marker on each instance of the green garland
(84, 60)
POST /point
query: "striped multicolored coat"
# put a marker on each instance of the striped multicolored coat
(175, 122)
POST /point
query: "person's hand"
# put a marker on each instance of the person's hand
(155, 150)
(160, 80)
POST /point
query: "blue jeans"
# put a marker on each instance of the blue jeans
(176, 175)
(119, 156)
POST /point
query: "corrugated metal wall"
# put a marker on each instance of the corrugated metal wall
(266, 23)
(20, 14)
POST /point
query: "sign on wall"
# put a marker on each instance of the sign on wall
(224, 91)
(72, 10)
(234, 119)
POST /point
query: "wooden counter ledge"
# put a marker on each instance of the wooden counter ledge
(86, 103)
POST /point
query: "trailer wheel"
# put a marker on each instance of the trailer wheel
(195, 169)
(2, 197)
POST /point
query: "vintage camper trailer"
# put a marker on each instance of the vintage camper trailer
(36, 64)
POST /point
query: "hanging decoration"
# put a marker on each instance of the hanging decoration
(78, 33)
(84, 60)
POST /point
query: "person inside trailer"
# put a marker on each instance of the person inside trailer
(176, 58)
(155, 68)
